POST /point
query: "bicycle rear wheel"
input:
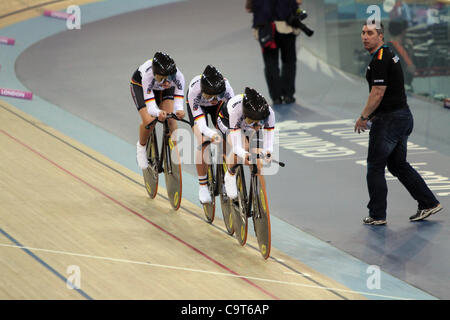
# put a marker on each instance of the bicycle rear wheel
(151, 172)
(240, 219)
(225, 202)
(172, 174)
(210, 208)
(261, 217)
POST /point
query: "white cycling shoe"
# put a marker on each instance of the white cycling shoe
(141, 156)
(230, 185)
(204, 195)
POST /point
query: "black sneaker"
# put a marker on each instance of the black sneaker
(372, 221)
(425, 213)
(289, 100)
(277, 101)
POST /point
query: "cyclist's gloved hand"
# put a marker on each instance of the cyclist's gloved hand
(180, 114)
(162, 115)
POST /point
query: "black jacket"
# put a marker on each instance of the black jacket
(265, 11)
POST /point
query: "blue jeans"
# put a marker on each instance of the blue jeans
(388, 147)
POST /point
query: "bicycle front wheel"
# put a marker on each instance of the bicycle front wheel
(172, 174)
(210, 208)
(261, 217)
(151, 172)
(225, 203)
(240, 220)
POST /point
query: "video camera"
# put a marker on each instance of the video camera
(295, 20)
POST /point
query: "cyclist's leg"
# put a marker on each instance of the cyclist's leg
(199, 160)
(232, 161)
(231, 157)
(138, 98)
(143, 132)
(200, 164)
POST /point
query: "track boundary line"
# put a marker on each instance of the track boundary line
(197, 270)
(163, 196)
(43, 263)
(173, 236)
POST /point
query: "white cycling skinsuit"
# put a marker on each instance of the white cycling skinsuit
(231, 119)
(198, 105)
(149, 84)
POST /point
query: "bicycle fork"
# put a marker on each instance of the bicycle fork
(155, 165)
(165, 154)
(253, 197)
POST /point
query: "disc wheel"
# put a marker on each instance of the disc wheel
(151, 172)
(261, 217)
(210, 208)
(240, 220)
(225, 202)
(172, 174)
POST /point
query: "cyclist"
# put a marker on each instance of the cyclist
(206, 93)
(157, 88)
(245, 113)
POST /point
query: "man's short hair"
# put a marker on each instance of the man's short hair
(380, 30)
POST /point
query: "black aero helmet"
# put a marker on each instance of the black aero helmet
(212, 81)
(255, 105)
(163, 64)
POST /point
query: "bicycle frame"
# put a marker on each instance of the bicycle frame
(161, 161)
(165, 151)
(253, 188)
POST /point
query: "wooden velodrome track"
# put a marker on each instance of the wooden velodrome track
(65, 205)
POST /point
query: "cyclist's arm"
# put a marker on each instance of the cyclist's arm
(198, 115)
(179, 92)
(203, 127)
(269, 132)
(236, 140)
(235, 116)
(149, 98)
(268, 139)
(222, 127)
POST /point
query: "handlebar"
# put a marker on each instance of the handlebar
(253, 156)
(169, 116)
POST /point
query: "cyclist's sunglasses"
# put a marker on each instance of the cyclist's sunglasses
(211, 97)
(254, 122)
(161, 79)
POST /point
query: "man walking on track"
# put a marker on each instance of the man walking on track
(391, 124)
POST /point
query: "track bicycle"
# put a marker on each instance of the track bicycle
(216, 187)
(252, 204)
(167, 160)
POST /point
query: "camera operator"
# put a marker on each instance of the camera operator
(276, 36)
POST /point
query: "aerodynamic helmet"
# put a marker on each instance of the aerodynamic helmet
(255, 106)
(212, 81)
(163, 64)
